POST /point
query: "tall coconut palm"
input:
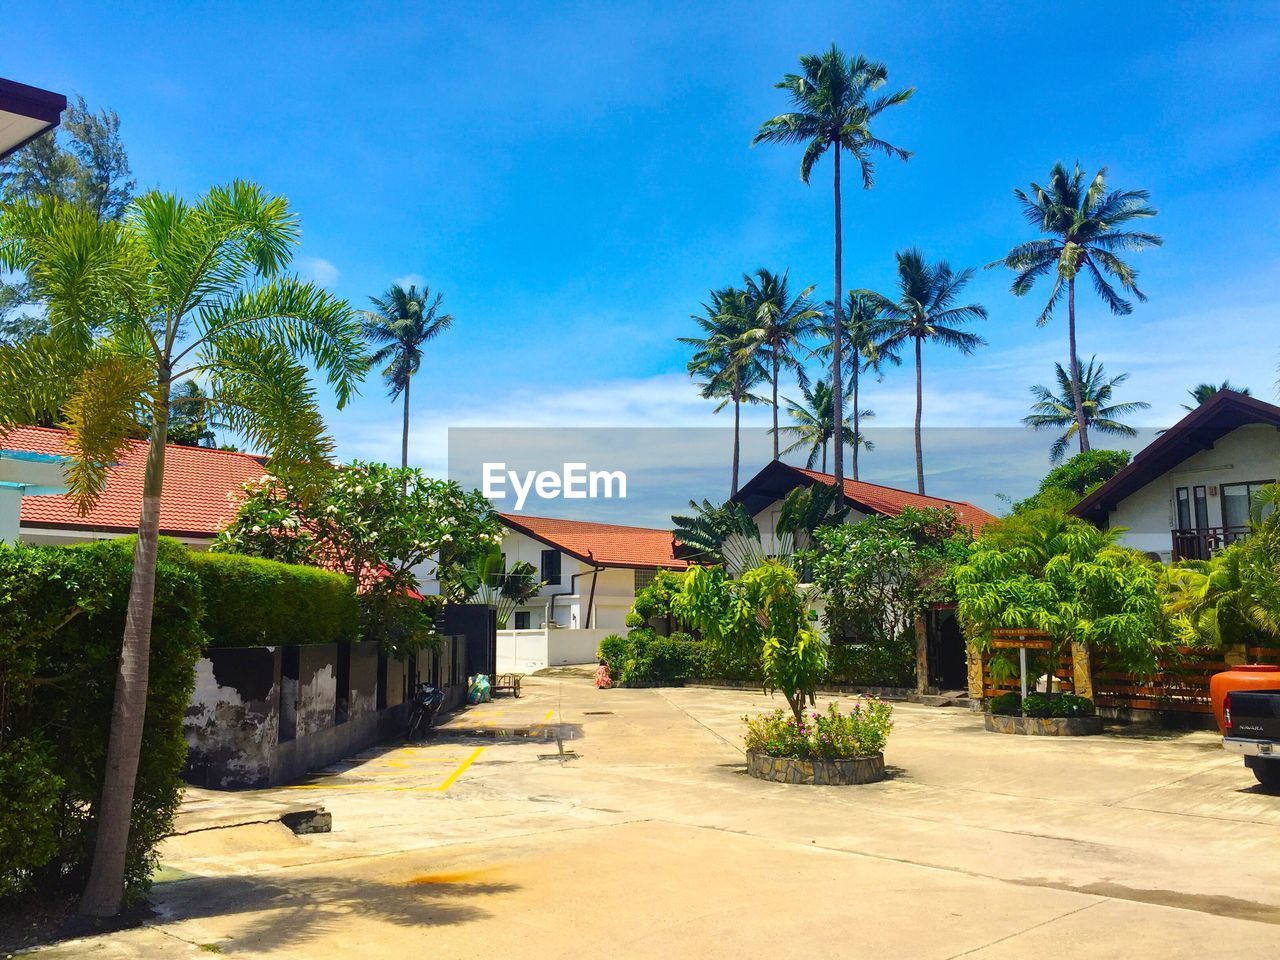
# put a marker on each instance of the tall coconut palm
(1082, 227)
(1203, 391)
(778, 326)
(1057, 410)
(403, 321)
(835, 103)
(926, 310)
(727, 370)
(171, 291)
(863, 350)
(813, 424)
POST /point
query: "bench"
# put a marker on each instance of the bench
(506, 681)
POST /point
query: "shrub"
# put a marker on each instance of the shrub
(62, 613)
(862, 732)
(884, 664)
(613, 651)
(1042, 705)
(250, 601)
(644, 659)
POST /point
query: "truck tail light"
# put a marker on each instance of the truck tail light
(1226, 713)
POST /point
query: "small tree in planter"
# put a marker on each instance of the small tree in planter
(1054, 572)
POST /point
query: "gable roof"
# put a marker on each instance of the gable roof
(1200, 429)
(202, 487)
(602, 544)
(777, 479)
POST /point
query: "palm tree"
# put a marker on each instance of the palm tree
(863, 350)
(1082, 235)
(813, 424)
(727, 369)
(171, 291)
(834, 107)
(778, 325)
(925, 311)
(403, 321)
(1057, 411)
(1203, 391)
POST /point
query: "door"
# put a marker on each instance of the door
(948, 665)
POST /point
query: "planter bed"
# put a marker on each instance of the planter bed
(1043, 726)
(818, 772)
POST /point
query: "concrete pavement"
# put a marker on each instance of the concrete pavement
(649, 840)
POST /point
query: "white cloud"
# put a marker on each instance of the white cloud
(318, 270)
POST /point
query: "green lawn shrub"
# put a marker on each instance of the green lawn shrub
(1042, 705)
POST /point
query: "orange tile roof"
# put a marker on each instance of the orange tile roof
(602, 544)
(891, 500)
(202, 487)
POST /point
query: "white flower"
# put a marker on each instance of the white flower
(256, 528)
(331, 509)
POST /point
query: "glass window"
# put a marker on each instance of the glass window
(1201, 498)
(1184, 508)
(1237, 499)
(522, 620)
(551, 567)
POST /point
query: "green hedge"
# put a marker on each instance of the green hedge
(250, 601)
(62, 613)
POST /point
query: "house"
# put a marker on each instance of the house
(1189, 491)
(202, 490)
(590, 575)
(941, 655)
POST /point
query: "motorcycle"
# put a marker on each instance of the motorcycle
(422, 714)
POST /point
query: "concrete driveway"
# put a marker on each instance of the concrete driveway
(650, 841)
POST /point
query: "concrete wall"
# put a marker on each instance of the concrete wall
(232, 722)
(10, 508)
(525, 651)
(1249, 453)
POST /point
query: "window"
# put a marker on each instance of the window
(1184, 508)
(1237, 500)
(522, 620)
(551, 567)
(643, 578)
(1200, 498)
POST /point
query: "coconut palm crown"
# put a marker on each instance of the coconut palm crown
(1057, 410)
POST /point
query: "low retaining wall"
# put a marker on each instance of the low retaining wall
(815, 772)
(1044, 726)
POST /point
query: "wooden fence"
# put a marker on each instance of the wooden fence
(1181, 684)
(1035, 669)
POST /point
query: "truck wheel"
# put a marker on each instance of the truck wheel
(1268, 773)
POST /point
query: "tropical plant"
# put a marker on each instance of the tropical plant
(1057, 410)
(486, 579)
(174, 290)
(192, 415)
(1203, 391)
(777, 326)
(862, 732)
(1083, 230)
(729, 372)
(813, 424)
(402, 322)
(835, 103)
(926, 310)
(864, 351)
(1050, 571)
(762, 613)
(1068, 483)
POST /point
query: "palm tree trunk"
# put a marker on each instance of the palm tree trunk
(857, 428)
(775, 405)
(105, 889)
(737, 420)
(837, 382)
(404, 437)
(1082, 430)
(824, 456)
(919, 407)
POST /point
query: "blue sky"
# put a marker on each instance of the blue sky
(575, 177)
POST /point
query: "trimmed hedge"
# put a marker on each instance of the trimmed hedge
(1041, 705)
(250, 601)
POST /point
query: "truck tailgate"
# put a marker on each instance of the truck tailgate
(1255, 714)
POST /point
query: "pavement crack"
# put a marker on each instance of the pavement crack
(1034, 926)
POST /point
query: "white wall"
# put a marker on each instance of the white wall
(524, 651)
(1249, 453)
(10, 508)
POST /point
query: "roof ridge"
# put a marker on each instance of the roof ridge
(885, 486)
(519, 517)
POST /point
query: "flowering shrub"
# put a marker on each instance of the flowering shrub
(861, 732)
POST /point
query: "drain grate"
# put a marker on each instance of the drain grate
(597, 713)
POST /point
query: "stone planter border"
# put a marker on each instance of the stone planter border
(1044, 726)
(817, 772)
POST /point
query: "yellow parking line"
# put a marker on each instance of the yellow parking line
(458, 772)
(366, 785)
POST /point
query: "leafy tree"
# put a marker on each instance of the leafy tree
(729, 372)
(1050, 571)
(813, 424)
(173, 290)
(777, 326)
(1084, 232)
(1203, 391)
(1057, 411)
(404, 321)
(878, 575)
(835, 102)
(864, 351)
(1066, 485)
(763, 613)
(191, 416)
(926, 310)
(375, 523)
